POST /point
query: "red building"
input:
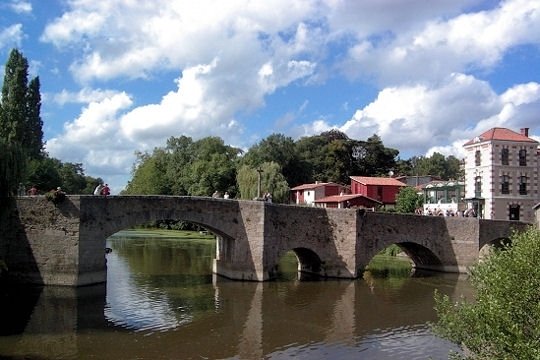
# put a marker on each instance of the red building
(307, 193)
(348, 201)
(381, 189)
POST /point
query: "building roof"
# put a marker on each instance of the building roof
(501, 134)
(314, 185)
(369, 180)
(342, 198)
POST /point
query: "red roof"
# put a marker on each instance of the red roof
(501, 134)
(368, 180)
(342, 198)
(313, 186)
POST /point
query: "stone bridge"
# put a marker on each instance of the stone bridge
(64, 244)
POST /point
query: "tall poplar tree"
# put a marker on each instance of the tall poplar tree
(14, 92)
(33, 134)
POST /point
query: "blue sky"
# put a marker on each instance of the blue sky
(120, 76)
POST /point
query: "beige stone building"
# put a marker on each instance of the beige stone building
(501, 175)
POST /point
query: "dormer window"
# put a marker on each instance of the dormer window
(477, 158)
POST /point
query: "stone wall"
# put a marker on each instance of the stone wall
(43, 246)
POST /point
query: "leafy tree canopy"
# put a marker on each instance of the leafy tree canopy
(504, 320)
(407, 200)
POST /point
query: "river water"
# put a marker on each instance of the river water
(162, 302)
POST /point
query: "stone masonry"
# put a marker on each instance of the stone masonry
(64, 244)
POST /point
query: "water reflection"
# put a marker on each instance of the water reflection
(161, 302)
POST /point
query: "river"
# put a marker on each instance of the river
(161, 301)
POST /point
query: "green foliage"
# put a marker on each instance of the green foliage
(12, 167)
(20, 105)
(185, 167)
(281, 150)
(44, 174)
(407, 200)
(504, 321)
(272, 181)
(437, 165)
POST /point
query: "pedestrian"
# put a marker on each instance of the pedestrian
(33, 191)
(226, 195)
(106, 191)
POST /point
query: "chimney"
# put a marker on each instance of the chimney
(525, 132)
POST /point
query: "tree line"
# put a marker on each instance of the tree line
(23, 161)
(199, 168)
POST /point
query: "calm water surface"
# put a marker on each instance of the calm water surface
(162, 302)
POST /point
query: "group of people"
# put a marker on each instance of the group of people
(439, 212)
(217, 195)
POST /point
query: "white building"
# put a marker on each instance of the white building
(501, 175)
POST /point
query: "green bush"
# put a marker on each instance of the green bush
(504, 320)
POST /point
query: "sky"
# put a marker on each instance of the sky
(121, 76)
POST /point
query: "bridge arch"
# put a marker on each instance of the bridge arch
(308, 261)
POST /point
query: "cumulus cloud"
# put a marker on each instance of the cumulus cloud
(228, 57)
(21, 7)
(477, 40)
(95, 140)
(442, 117)
(11, 36)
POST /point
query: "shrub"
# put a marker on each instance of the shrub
(504, 320)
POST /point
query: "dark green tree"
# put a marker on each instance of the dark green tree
(13, 111)
(44, 174)
(503, 322)
(280, 149)
(12, 167)
(33, 135)
(373, 158)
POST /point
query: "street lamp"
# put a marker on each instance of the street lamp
(259, 171)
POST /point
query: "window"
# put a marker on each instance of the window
(514, 212)
(505, 184)
(504, 156)
(478, 187)
(523, 185)
(477, 158)
(522, 157)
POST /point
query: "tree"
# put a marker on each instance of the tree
(271, 180)
(504, 320)
(44, 174)
(407, 200)
(149, 175)
(280, 149)
(33, 135)
(12, 167)
(14, 92)
(373, 158)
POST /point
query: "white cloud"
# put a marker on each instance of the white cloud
(425, 119)
(94, 139)
(11, 36)
(21, 7)
(477, 40)
(85, 96)
(229, 56)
